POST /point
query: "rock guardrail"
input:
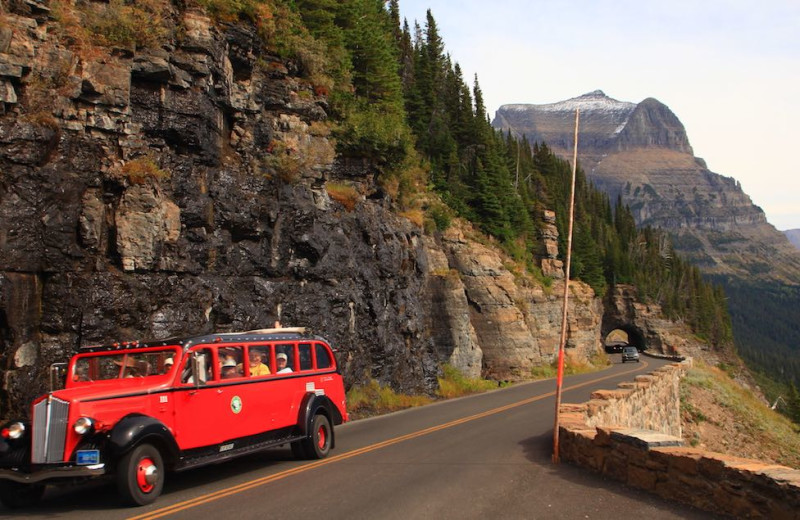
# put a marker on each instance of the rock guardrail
(629, 434)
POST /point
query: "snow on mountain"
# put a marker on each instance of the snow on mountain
(595, 101)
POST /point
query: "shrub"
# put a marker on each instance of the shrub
(139, 170)
(440, 218)
(344, 194)
(114, 24)
(375, 133)
(290, 161)
(44, 119)
(232, 10)
(415, 216)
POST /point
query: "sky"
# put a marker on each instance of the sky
(728, 69)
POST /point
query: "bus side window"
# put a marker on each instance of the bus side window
(288, 350)
(305, 356)
(231, 362)
(81, 370)
(258, 361)
(203, 363)
(323, 357)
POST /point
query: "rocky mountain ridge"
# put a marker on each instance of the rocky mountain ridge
(641, 152)
(794, 237)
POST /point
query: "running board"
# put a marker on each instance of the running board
(222, 454)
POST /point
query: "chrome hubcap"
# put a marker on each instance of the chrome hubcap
(150, 474)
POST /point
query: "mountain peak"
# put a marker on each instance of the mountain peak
(593, 94)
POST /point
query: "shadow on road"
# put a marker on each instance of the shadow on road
(101, 494)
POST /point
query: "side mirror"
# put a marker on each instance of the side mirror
(58, 376)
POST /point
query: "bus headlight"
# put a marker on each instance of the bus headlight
(14, 430)
(83, 426)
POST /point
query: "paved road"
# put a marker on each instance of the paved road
(484, 456)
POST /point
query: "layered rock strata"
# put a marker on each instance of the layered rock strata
(641, 152)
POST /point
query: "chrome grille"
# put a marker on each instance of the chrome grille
(49, 430)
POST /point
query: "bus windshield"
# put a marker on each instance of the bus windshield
(122, 365)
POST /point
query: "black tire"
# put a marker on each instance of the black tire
(14, 495)
(319, 440)
(140, 475)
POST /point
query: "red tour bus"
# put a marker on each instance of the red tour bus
(135, 410)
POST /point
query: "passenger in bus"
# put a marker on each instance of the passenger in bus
(229, 369)
(142, 368)
(81, 373)
(129, 369)
(257, 366)
(282, 360)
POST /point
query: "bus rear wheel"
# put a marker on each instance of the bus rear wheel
(318, 443)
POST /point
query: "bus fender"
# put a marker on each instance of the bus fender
(134, 429)
(313, 404)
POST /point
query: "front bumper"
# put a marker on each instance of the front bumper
(52, 473)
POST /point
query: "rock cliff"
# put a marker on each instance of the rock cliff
(641, 152)
(184, 189)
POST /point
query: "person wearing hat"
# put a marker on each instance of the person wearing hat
(168, 363)
(282, 360)
(129, 367)
(229, 368)
(257, 366)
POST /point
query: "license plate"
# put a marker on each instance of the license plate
(86, 457)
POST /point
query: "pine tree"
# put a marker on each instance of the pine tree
(793, 403)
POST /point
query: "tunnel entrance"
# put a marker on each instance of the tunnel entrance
(622, 336)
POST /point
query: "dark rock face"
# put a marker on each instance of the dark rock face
(641, 152)
(142, 202)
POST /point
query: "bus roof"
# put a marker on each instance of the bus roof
(276, 334)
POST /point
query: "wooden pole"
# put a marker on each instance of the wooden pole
(562, 343)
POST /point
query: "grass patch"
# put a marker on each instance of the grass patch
(139, 170)
(344, 194)
(376, 399)
(751, 416)
(454, 384)
(415, 216)
(598, 361)
(687, 407)
(115, 23)
(544, 371)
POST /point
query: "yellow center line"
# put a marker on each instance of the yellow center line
(194, 502)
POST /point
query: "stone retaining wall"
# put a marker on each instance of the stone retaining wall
(650, 402)
(617, 434)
